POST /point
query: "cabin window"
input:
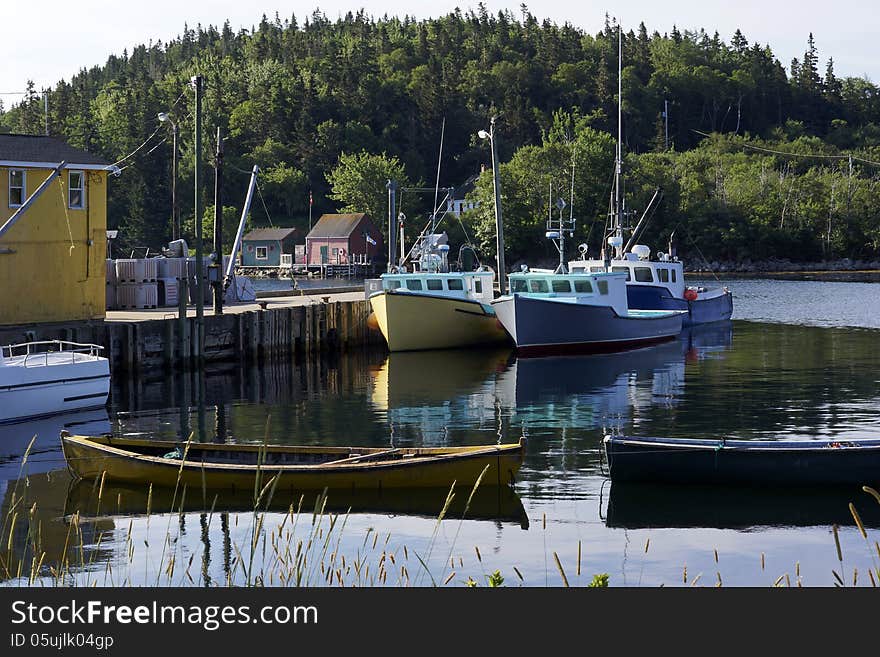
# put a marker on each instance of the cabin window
(663, 274)
(478, 286)
(262, 253)
(435, 284)
(596, 270)
(673, 275)
(413, 284)
(622, 270)
(16, 188)
(75, 190)
(539, 285)
(454, 284)
(644, 275)
(583, 286)
(603, 287)
(392, 285)
(518, 285)
(561, 286)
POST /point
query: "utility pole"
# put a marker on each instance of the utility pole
(46, 109)
(391, 185)
(665, 124)
(499, 228)
(197, 212)
(216, 281)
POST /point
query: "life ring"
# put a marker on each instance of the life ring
(690, 294)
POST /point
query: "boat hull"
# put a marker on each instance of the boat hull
(40, 391)
(541, 325)
(743, 461)
(413, 322)
(214, 466)
(715, 305)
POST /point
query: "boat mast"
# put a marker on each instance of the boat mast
(618, 165)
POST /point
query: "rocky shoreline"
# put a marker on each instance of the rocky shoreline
(782, 266)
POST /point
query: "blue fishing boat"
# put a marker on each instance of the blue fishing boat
(651, 284)
(760, 462)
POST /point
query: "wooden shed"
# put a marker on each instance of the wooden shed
(263, 247)
(339, 239)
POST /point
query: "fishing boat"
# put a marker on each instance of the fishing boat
(762, 462)
(651, 284)
(432, 307)
(548, 313)
(240, 466)
(47, 377)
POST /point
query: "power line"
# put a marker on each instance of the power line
(855, 158)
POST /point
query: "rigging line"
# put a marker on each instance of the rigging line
(694, 244)
(816, 156)
(260, 194)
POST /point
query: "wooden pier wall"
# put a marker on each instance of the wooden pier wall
(139, 346)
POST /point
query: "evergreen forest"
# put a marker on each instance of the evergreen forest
(755, 159)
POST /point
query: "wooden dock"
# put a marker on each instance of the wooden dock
(294, 326)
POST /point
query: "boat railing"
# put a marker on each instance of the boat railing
(40, 350)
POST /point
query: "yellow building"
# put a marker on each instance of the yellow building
(53, 256)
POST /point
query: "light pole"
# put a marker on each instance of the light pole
(175, 215)
(499, 234)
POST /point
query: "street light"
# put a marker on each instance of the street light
(175, 215)
(482, 134)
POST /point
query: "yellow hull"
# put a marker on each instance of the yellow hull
(233, 467)
(415, 321)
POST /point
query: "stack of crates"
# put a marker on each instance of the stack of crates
(137, 285)
(111, 285)
(169, 270)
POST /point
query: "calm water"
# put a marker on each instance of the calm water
(800, 360)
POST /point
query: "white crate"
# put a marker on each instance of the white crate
(137, 295)
(111, 272)
(170, 268)
(110, 297)
(168, 292)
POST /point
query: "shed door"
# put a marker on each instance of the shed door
(324, 254)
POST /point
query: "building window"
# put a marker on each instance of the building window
(75, 190)
(262, 253)
(335, 252)
(435, 284)
(454, 284)
(16, 188)
(644, 275)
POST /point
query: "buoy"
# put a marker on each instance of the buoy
(690, 294)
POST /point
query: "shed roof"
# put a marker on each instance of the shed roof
(269, 234)
(337, 225)
(40, 149)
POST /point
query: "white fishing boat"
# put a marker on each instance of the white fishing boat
(651, 284)
(53, 376)
(548, 312)
(431, 307)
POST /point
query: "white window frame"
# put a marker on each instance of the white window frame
(81, 189)
(265, 255)
(23, 187)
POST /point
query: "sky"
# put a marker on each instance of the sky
(51, 40)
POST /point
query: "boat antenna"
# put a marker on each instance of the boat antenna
(618, 168)
(437, 184)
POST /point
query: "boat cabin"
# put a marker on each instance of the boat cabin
(598, 289)
(639, 269)
(475, 285)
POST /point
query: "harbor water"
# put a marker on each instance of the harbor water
(799, 361)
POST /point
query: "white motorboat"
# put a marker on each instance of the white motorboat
(52, 376)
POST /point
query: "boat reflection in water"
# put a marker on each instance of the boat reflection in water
(633, 505)
(45, 452)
